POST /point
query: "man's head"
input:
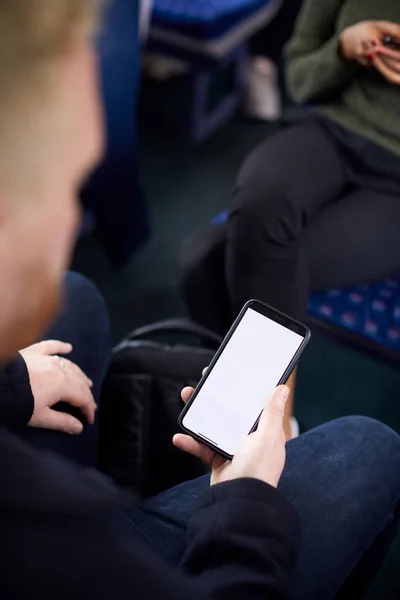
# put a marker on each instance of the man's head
(50, 139)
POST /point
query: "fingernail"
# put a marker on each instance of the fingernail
(371, 57)
(374, 43)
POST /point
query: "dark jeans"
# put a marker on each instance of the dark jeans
(343, 478)
(314, 207)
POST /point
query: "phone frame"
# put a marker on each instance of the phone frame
(276, 316)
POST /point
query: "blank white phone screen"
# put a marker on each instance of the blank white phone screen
(235, 392)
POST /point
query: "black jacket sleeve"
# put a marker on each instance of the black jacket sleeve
(16, 398)
(65, 535)
(244, 540)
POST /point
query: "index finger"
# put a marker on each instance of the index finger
(49, 347)
(186, 394)
(188, 391)
(389, 28)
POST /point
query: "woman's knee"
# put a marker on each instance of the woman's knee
(262, 201)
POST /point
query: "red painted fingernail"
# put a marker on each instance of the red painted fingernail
(374, 43)
(371, 57)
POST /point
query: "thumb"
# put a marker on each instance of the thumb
(49, 347)
(59, 421)
(389, 28)
(271, 420)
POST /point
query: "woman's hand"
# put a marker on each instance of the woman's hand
(261, 455)
(361, 41)
(387, 62)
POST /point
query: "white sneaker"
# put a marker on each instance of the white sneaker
(294, 428)
(263, 98)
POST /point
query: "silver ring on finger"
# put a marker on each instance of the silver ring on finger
(60, 360)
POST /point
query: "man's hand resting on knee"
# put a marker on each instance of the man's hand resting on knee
(53, 380)
(261, 455)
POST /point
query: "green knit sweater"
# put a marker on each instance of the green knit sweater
(357, 98)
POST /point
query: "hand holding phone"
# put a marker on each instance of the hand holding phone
(261, 455)
(258, 354)
(359, 42)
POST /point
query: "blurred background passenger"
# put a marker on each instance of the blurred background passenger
(317, 205)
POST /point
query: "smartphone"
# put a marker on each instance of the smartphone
(389, 41)
(260, 351)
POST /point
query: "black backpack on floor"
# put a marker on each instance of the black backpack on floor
(141, 403)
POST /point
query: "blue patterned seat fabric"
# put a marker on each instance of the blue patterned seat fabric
(372, 311)
(204, 19)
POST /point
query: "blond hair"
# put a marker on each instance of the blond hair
(33, 34)
(35, 29)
